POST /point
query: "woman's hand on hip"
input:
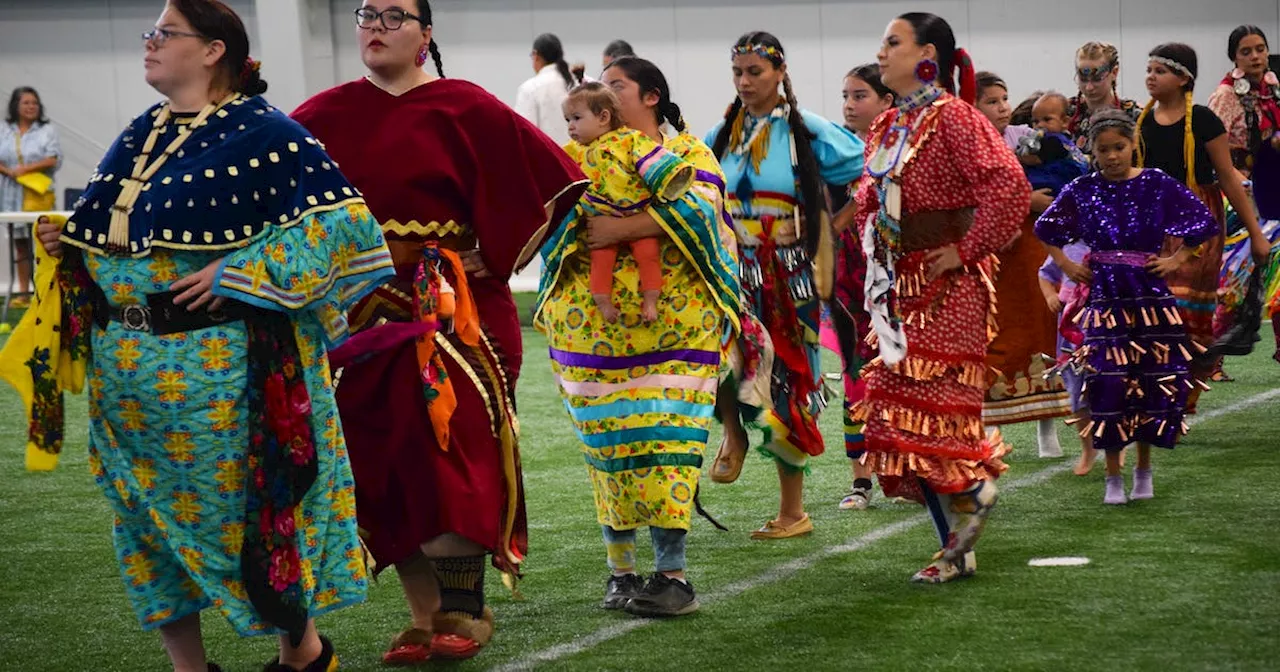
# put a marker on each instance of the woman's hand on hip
(942, 260)
(196, 290)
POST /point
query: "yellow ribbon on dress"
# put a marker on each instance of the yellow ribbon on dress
(33, 358)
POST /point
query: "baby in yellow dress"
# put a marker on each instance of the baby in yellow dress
(627, 171)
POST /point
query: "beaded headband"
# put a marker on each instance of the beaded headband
(1094, 74)
(1125, 125)
(761, 50)
(1172, 64)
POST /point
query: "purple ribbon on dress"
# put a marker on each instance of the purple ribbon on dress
(1122, 257)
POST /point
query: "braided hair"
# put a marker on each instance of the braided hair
(424, 13)
(1185, 56)
(812, 192)
(1094, 51)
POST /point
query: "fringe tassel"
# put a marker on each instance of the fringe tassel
(942, 469)
(924, 423)
(969, 374)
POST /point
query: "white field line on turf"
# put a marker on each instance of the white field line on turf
(788, 569)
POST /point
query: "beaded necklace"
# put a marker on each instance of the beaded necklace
(132, 186)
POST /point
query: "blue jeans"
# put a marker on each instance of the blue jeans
(668, 549)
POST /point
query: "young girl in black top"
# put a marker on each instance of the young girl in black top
(1189, 142)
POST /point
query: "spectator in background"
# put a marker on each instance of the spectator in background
(615, 50)
(540, 97)
(29, 157)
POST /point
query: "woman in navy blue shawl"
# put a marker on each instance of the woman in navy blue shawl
(204, 275)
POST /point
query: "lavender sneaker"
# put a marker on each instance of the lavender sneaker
(1142, 488)
(1115, 491)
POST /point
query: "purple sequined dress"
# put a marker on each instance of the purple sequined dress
(1136, 350)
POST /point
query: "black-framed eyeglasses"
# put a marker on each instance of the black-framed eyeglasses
(392, 18)
(1093, 75)
(158, 36)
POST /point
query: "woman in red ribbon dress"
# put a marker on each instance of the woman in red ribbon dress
(464, 189)
(942, 194)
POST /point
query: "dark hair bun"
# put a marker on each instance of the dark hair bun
(253, 84)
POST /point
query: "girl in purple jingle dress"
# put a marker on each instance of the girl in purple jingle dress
(1136, 350)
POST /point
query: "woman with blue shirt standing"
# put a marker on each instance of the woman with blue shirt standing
(28, 149)
(777, 159)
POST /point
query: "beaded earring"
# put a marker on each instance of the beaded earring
(927, 71)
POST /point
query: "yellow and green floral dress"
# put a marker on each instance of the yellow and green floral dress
(642, 395)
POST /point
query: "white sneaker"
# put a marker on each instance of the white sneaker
(1047, 439)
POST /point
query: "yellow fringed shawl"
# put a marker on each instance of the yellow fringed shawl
(36, 365)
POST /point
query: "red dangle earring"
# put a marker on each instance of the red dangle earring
(927, 71)
(422, 56)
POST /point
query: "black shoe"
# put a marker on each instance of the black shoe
(620, 589)
(213, 667)
(322, 664)
(663, 597)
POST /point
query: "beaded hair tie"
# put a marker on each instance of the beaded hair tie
(761, 50)
(1172, 64)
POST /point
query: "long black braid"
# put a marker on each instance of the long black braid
(811, 187)
(722, 138)
(435, 57)
(424, 14)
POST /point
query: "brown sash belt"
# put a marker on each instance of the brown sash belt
(934, 228)
(406, 252)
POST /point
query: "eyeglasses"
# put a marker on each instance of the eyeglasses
(1093, 75)
(392, 18)
(159, 36)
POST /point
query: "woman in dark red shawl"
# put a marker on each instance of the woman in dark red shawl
(464, 189)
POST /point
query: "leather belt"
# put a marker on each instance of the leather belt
(160, 316)
(934, 228)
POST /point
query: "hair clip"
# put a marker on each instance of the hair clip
(250, 66)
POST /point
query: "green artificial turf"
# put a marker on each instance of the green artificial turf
(1187, 581)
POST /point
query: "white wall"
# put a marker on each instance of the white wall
(85, 55)
(1029, 42)
(85, 59)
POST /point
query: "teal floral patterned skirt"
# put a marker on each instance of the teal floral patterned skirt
(168, 442)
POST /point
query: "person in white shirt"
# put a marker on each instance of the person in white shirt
(540, 97)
